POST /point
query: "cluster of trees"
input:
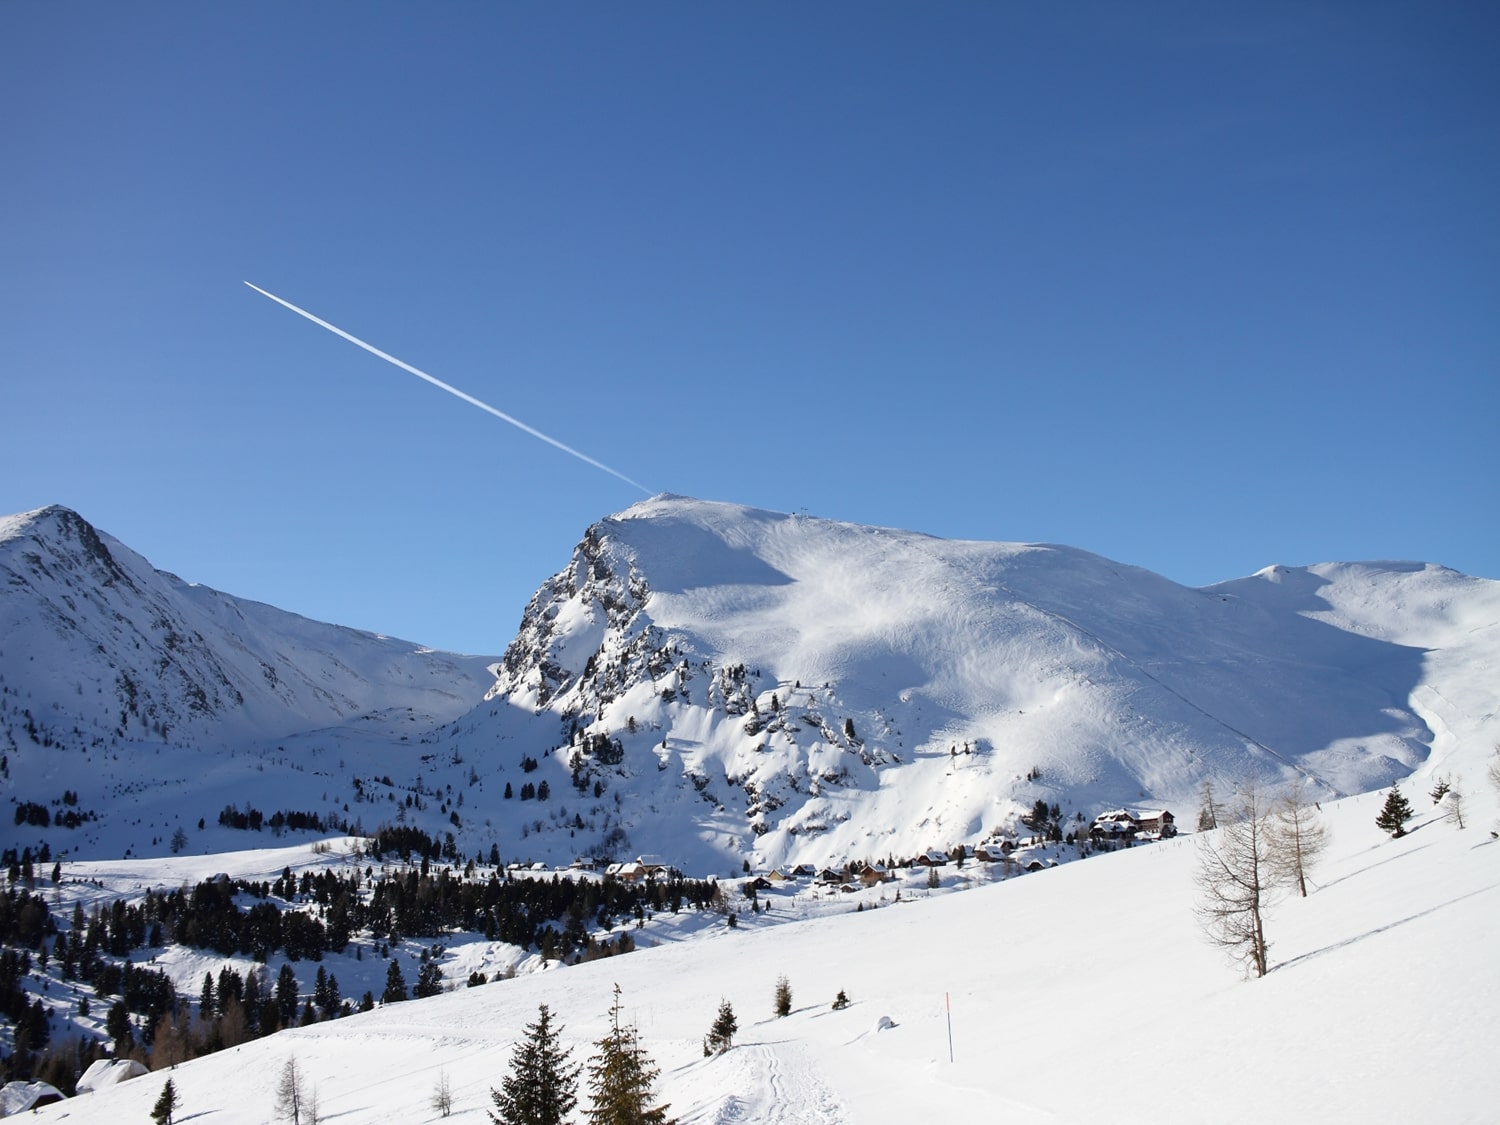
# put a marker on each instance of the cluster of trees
(252, 819)
(541, 1087)
(1263, 845)
(555, 916)
(36, 815)
(1045, 820)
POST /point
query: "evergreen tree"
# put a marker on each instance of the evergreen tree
(621, 1076)
(395, 984)
(286, 995)
(166, 1105)
(783, 997)
(721, 1034)
(539, 1090)
(429, 980)
(1395, 813)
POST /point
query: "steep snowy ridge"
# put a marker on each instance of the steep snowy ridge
(105, 649)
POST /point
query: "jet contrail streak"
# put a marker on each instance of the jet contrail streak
(470, 399)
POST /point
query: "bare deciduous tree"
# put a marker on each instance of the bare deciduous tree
(1208, 813)
(1453, 803)
(442, 1095)
(291, 1097)
(1236, 878)
(1297, 836)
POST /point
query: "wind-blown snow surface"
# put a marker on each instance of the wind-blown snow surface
(1080, 994)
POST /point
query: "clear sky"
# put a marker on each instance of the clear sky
(1199, 287)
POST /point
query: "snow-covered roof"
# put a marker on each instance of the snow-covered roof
(18, 1097)
(103, 1073)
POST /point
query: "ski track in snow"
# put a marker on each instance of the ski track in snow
(774, 1083)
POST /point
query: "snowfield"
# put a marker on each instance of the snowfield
(1076, 994)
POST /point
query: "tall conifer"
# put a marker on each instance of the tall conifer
(539, 1090)
(621, 1077)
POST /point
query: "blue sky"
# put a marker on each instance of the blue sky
(1199, 287)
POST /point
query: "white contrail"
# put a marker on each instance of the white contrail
(470, 399)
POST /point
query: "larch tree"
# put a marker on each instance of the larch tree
(1237, 877)
(622, 1077)
(291, 1093)
(1298, 836)
(1453, 804)
(540, 1088)
(1208, 812)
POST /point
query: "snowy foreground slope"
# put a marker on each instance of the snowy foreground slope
(1079, 994)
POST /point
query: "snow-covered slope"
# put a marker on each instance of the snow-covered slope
(1076, 995)
(94, 636)
(832, 690)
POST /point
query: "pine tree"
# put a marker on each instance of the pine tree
(166, 1105)
(395, 984)
(1395, 813)
(286, 995)
(783, 996)
(621, 1076)
(721, 1034)
(429, 980)
(539, 1090)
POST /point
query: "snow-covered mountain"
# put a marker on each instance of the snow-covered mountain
(832, 690)
(95, 638)
(715, 683)
(107, 664)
